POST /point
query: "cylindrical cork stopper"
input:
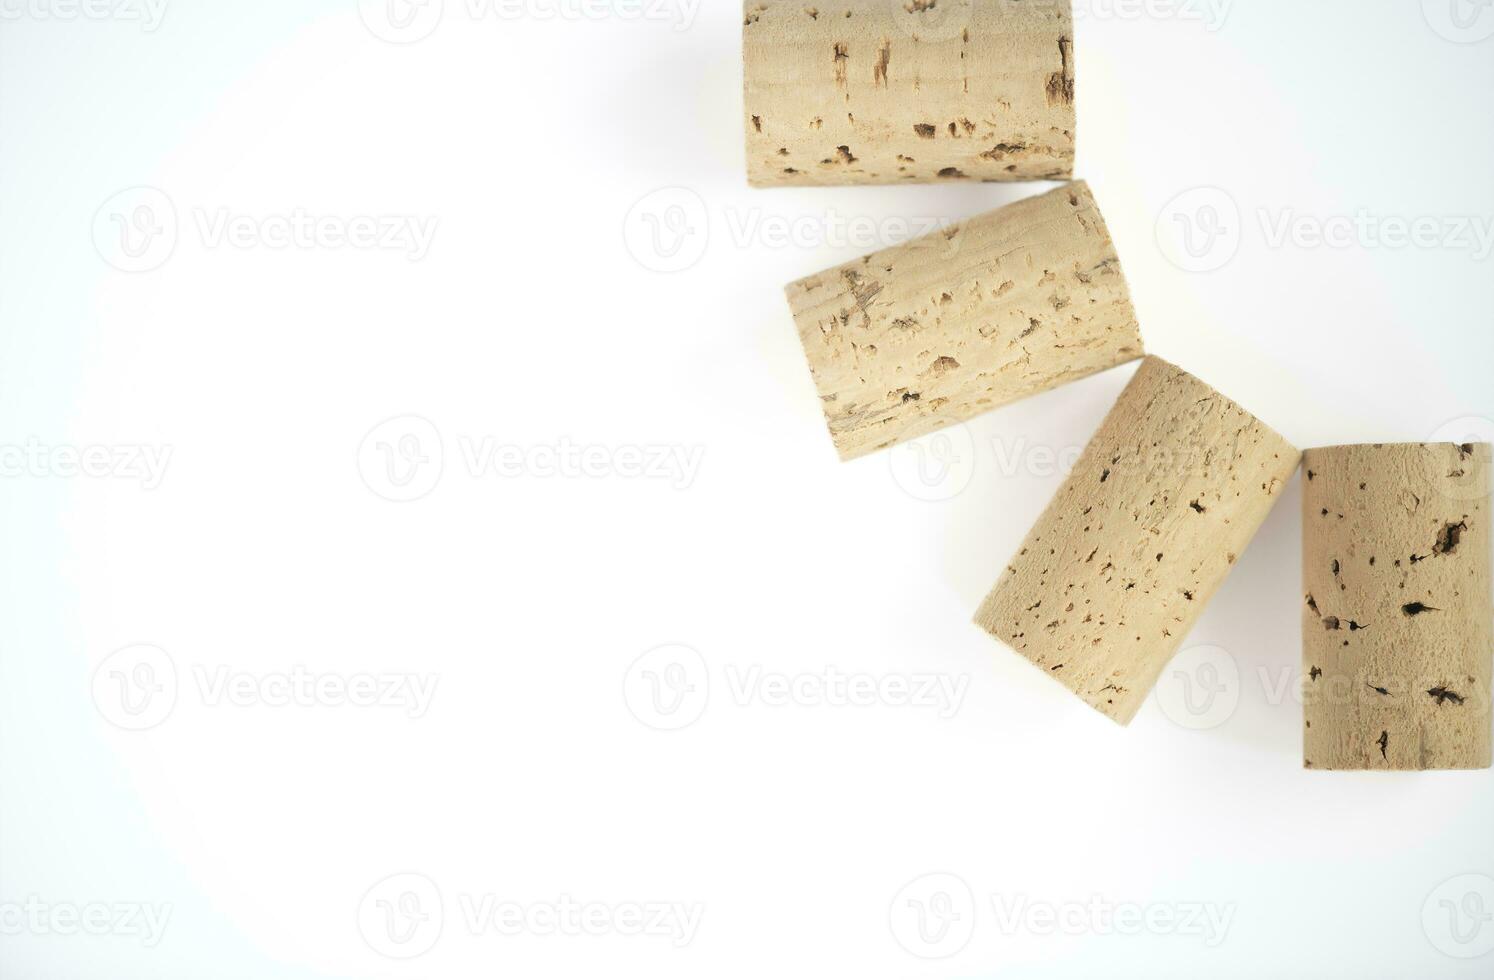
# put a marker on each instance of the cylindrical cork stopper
(1140, 536)
(1397, 619)
(940, 329)
(885, 91)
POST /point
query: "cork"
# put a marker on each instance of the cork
(1397, 617)
(940, 329)
(1139, 538)
(891, 91)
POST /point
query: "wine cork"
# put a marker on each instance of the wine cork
(1397, 618)
(940, 329)
(1139, 538)
(886, 91)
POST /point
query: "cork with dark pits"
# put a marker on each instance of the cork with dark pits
(1395, 540)
(1122, 563)
(904, 91)
(935, 331)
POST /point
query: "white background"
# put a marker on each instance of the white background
(526, 592)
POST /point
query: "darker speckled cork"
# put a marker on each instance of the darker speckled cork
(907, 91)
(1397, 614)
(1139, 537)
(1008, 304)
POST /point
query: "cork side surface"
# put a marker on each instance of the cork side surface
(1397, 614)
(940, 329)
(887, 91)
(1139, 538)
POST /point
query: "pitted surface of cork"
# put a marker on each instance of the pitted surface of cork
(889, 91)
(1397, 614)
(940, 329)
(1139, 538)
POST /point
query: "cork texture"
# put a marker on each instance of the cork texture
(935, 331)
(1139, 537)
(889, 91)
(1397, 616)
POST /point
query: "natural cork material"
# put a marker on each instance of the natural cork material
(888, 91)
(945, 327)
(1396, 621)
(1141, 535)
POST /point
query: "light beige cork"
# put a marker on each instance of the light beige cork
(887, 91)
(1397, 619)
(1139, 538)
(940, 329)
